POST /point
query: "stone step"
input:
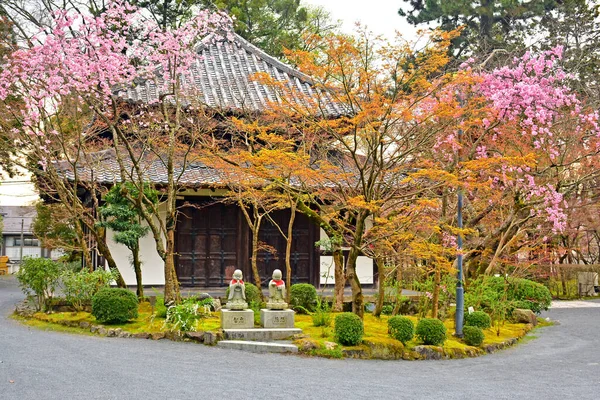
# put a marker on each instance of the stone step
(258, 347)
(261, 334)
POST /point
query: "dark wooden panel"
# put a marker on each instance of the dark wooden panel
(302, 248)
(207, 236)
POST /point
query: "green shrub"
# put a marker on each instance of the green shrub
(349, 329)
(531, 295)
(160, 310)
(387, 309)
(114, 306)
(39, 278)
(401, 328)
(252, 293)
(479, 319)
(431, 331)
(322, 315)
(473, 335)
(303, 297)
(80, 287)
(485, 293)
(183, 317)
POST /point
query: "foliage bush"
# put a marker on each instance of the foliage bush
(479, 319)
(160, 310)
(39, 278)
(114, 306)
(486, 292)
(303, 297)
(183, 317)
(252, 293)
(322, 315)
(531, 295)
(431, 331)
(80, 287)
(473, 335)
(349, 329)
(387, 309)
(401, 328)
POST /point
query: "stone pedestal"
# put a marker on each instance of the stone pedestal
(234, 319)
(276, 318)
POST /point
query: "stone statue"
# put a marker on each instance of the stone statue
(277, 292)
(237, 292)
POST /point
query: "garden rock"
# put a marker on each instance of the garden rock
(210, 338)
(524, 316)
(195, 336)
(101, 330)
(385, 350)
(355, 353)
(306, 345)
(175, 336)
(217, 305)
(157, 335)
(25, 309)
(430, 352)
(123, 334)
(84, 325)
(330, 345)
(141, 335)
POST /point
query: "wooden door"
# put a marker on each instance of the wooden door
(207, 244)
(303, 249)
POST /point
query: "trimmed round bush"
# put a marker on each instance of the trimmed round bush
(349, 329)
(401, 328)
(473, 335)
(479, 319)
(303, 297)
(431, 331)
(114, 306)
(252, 293)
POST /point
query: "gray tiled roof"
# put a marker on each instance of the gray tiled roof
(102, 167)
(12, 217)
(222, 79)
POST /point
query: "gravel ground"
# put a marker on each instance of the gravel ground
(563, 362)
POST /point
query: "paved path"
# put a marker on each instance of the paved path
(562, 363)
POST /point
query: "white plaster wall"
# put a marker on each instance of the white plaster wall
(152, 265)
(326, 271)
(364, 267)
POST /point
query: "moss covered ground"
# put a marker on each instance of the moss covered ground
(376, 341)
(376, 331)
(146, 321)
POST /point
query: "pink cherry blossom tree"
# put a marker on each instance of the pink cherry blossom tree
(83, 64)
(526, 143)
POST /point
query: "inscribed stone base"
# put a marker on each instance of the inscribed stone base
(242, 319)
(276, 318)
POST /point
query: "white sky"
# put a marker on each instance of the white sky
(380, 16)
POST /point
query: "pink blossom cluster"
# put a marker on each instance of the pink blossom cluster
(532, 93)
(91, 56)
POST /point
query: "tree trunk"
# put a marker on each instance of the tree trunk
(398, 304)
(340, 279)
(254, 257)
(137, 267)
(112, 265)
(357, 296)
(436, 293)
(288, 252)
(381, 290)
(172, 294)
